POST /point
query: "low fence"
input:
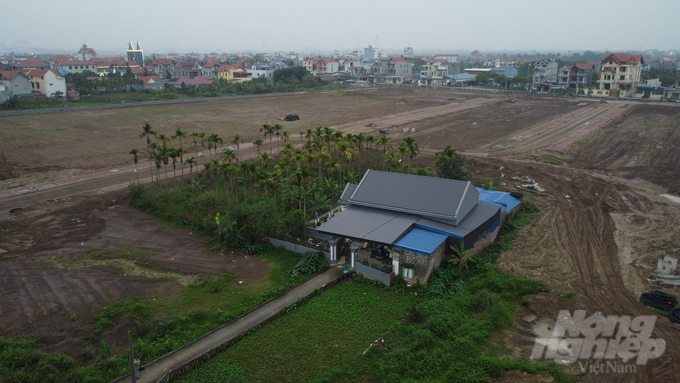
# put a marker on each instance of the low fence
(295, 248)
(316, 234)
(374, 274)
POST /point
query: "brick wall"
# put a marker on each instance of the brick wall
(423, 265)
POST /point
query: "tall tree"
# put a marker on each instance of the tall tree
(191, 161)
(148, 132)
(384, 142)
(179, 133)
(266, 129)
(449, 164)
(258, 143)
(163, 139)
(135, 158)
(413, 148)
(238, 141)
(277, 130)
(229, 155)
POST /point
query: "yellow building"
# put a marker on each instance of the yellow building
(620, 76)
(234, 73)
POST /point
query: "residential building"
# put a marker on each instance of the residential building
(620, 76)
(408, 53)
(581, 76)
(186, 69)
(476, 57)
(164, 65)
(263, 71)
(233, 73)
(151, 82)
(85, 53)
(545, 74)
(18, 84)
(136, 55)
(401, 224)
(672, 93)
(370, 53)
(46, 82)
(74, 66)
(210, 68)
(320, 65)
(398, 66)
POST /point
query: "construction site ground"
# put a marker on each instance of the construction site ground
(603, 219)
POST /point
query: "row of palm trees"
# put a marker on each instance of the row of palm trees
(336, 158)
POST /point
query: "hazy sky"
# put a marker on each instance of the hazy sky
(267, 25)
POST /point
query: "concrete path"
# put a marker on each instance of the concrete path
(156, 369)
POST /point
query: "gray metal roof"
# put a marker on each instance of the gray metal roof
(370, 224)
(477, 216)
(426, 196)
(349, 190)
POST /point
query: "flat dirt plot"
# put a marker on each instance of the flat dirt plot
(645, 145)
(598, 236)
(102, 138)
(65, 257)
(487, 124)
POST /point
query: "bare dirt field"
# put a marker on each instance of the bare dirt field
(643, 145)
(69, 257)
(600, 229)
(101, 138)
(488, 124)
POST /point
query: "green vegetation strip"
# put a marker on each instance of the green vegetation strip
(445, 336)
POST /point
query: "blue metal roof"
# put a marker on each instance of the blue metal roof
(499, 198)
(420, 241)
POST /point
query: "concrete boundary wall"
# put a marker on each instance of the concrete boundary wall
(371, 273)
(298, 248)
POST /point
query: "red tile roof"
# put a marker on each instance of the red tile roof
(30, 62)
(212, 64)
(162, 62)
(621, 58)
(74, 62)
(88, 50)
(396, 59)
(227, 68)
(61, 57)
(584, 65)
(9, 74)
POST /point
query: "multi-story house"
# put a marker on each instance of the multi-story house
(46, 82)
(74, 66)
(263, 71)
(18, 83)
(209, 68)
(164, 65)
(449, 58)
(620, 75)
(398, 66)
(85, 53)
(187, 69)
(545, 73)
(234, 73)
(408, 52)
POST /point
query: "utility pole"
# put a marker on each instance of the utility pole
(132, 359)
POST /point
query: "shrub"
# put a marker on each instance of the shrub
(312, 262)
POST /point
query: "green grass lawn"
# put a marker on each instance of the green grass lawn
(322, 340)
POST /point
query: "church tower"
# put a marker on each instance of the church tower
(136, 55)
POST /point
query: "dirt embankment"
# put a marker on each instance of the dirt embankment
(69, 257)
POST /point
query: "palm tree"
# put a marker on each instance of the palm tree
(277, 128)
(229, 155)
(135, 158)
(392, 162)
(191, 161)
(201, 135)
(216, 139)
(258, 143)
(413, 148)
(328, 136)
(164, 154)
(163, 139)
(238, 141)
(245, 168)
(370, 140)
(173, 153)
(147, 132)
(302, 134)
(152, 154)
(265, 128)
(285, 137)
(403, 151)
(194, 136)
(179, 133)
(264, 159)
(320, 157)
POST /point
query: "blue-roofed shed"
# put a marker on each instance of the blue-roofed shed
(502, 199)
(421, 241)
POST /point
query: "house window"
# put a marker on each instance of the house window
(623, 69)
(37, 85)
(407, 272)
(623, 77)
